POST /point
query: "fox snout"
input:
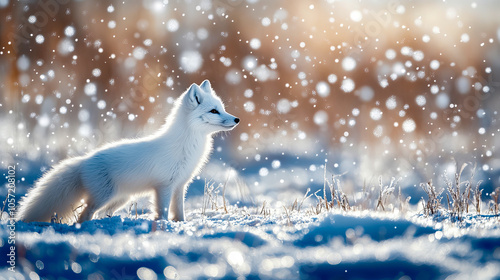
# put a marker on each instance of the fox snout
(231, 122)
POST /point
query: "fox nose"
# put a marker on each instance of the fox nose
(236, 120)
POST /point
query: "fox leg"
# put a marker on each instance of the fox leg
(163, 195)
(94, 203)
(88, 212)
(91, 209)
(177, 204)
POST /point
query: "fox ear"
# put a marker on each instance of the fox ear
(205, 86)
(194, 95)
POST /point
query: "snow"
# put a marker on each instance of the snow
(172, 25)
(356, 16)
(69, 31)
(442, 100)
(23, 63)
(332, 78)
(111, 24)
(250, 62)
(96, 72)
(390, 54)
(320, 117)
(90, 89)
(191, 61)
(348, 63)
(249, 106)
(409, 125)
(255, 43)
(101, 104)
(233, 76)
(323, 89)
(348, 85)
(366, 93)
(39, 39)
(44, 120)
(139, 53)
(277, 245)
(65, 47)
(391, 103)
(266, 22)
(418, 55)
(420, 100)
(376, 114)
(434, 64)
(283, 106)
(202, 33)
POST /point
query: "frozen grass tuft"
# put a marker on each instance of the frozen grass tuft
(433, 203)
(462, 197)
(494, 203)
(211, 197)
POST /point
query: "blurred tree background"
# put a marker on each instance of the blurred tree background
(383, 87)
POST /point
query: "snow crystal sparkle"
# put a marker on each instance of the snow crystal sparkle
(348, 64)
(39, 39)
(172, 25)
(191, 61)
(409, 125)
(320, 117)
(255, 43)
(347, 85)
(323, 89)
(69, 31)
(376, 114)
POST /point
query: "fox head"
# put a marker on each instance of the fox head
(206, 111)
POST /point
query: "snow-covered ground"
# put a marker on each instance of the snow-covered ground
(246, 243)
(365, 90)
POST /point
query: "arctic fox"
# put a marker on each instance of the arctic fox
(164, 163)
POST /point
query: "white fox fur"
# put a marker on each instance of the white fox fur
(164, 163)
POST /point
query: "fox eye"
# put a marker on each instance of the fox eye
(213, 111)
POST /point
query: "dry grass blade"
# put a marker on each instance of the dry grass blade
(324, 187)
(458, 200)
(386, 192)
(263, 210)
(306, 196)
(494, 200)
(433, 198)
(224, 193)
(477, 197)
(289, 222)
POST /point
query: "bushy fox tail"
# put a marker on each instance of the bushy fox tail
(57, 192)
